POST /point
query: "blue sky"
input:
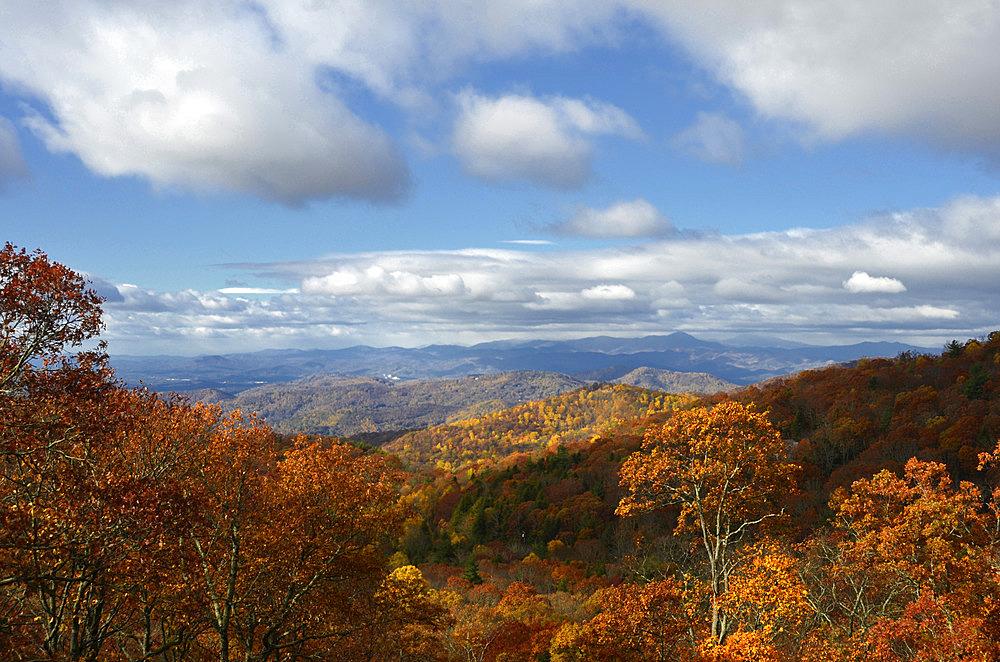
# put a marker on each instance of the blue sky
(236, 176)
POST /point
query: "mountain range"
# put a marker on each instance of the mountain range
(601, 358)
(376, 393)
(368, 407)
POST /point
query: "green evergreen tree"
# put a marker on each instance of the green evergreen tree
(471, 573)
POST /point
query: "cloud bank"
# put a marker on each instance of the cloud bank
(813, 285)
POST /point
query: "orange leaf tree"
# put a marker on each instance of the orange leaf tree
(768, 601)
(908, 570)
(134, 527)
(45, 308)
(289, 545)
(725, 468)
(636, 623)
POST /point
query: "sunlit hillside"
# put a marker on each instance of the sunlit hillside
(583, 414)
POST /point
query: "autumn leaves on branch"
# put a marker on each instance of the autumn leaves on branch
(137, 528)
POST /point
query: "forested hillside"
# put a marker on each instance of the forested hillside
(578, 552)
(601, 358)
(347, 405)
(850, 423)
(674, 382)
(583, 414)
(843, 514)
(139, 528)
(377, 407)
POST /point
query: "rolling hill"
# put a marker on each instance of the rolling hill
(611, 357)
(363, 407)
(580, 415)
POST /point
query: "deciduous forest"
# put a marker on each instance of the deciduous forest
(848, 513)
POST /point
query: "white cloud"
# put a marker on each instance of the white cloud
(544, 141)
(861, 282)
(634, 218)
(737, 289)
(936, 312)
(609, 292)
(397, 49)
(781, 283)
(971, 219)
(599, 299)
(257, 290)
(193, 95)
(839, 68)
(669, 296)
(376, 280)
(713, 138)
(257, 97)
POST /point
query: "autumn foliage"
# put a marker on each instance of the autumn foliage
(135, 527)
(846, 514)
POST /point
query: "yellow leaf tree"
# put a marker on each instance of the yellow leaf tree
(726, 469)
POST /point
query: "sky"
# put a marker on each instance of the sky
(235, 176)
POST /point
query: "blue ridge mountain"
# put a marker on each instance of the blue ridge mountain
(678, 352)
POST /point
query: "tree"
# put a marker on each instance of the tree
(914, 567)
(45, 308)
(635, 623)
(767, 599)
(401, 620)
(134, 527)
(90, 528)
(289, 545)
(725, 467)
(471, 573)
(52, 406)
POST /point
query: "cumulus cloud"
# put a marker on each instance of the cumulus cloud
(545, 141)
(257, 97)
(375, 280)
(667, 296)
(713, 138)
(634, 218)
(787, 283)
(105, 289)
(192, 95)
(860, 282)
(841, 68)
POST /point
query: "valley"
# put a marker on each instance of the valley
(373, 391)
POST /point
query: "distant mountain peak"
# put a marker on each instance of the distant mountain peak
(597, 355)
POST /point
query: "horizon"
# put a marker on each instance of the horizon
(235, 177)
(724, 341)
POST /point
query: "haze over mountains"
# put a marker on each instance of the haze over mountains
(370, 391)
(600, 358)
